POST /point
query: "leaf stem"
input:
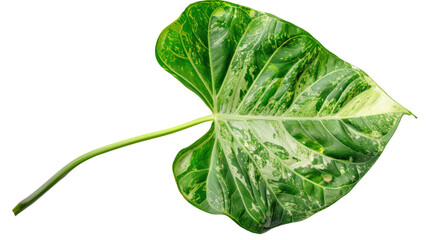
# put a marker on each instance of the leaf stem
(65, 170)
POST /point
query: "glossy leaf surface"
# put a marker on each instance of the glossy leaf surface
(295, 126)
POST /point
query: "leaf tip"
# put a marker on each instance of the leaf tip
(411, 114)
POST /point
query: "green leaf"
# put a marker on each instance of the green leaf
(295, 127)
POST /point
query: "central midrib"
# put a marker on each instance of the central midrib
(221, 116)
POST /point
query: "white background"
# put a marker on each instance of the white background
(77, 75)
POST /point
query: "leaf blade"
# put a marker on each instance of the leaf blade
(295, 127)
